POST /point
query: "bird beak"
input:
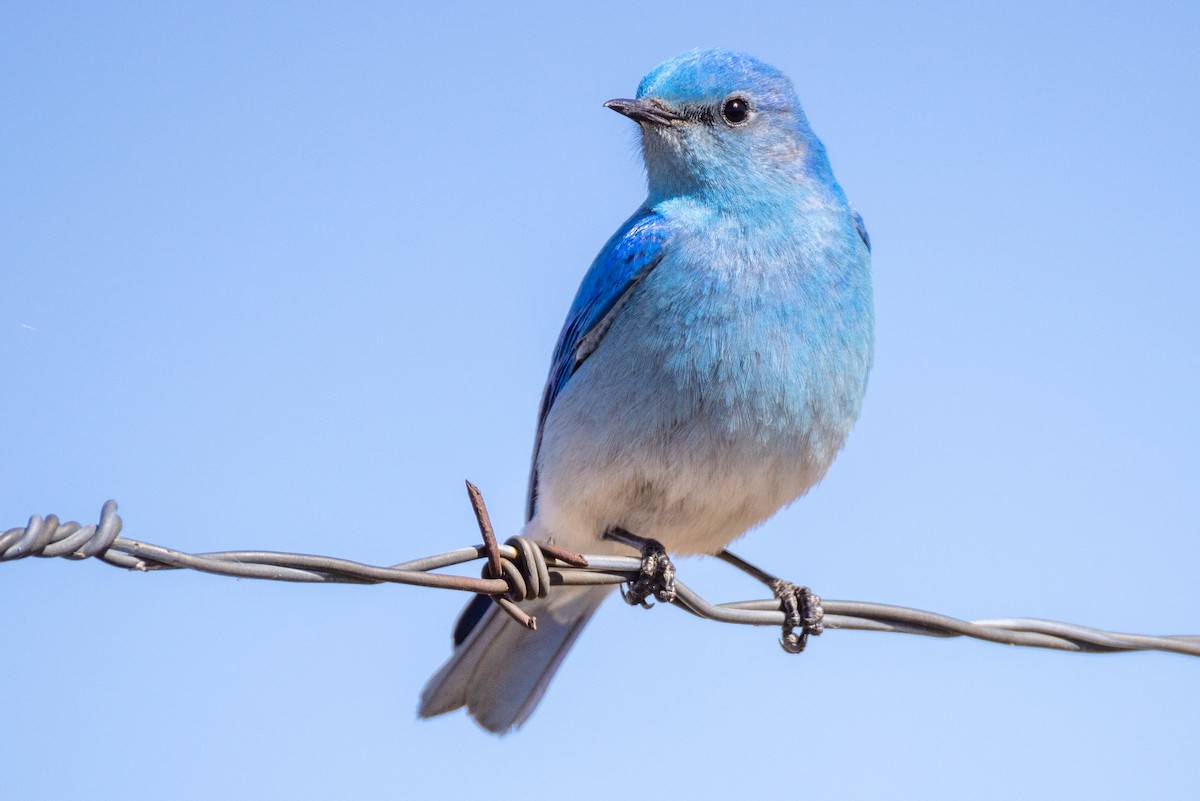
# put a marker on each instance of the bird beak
(645, 110)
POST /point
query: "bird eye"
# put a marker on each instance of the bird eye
(736, 110)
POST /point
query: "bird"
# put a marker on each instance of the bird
(710, 368)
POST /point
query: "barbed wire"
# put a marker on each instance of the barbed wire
(522, 569)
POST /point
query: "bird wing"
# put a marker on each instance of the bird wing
(633, 251)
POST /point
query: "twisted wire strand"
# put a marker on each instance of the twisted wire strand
(528, 572)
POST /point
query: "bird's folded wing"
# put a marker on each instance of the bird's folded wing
(633, 251)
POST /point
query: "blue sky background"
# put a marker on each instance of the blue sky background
(281, 276)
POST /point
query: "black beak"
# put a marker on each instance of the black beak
(644, 110)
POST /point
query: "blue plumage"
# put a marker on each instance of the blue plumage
(711, 365)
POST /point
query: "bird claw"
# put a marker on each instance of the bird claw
(657, 575)
(801, 609)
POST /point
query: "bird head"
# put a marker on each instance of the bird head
(725, 126)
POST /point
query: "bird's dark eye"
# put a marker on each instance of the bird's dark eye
(736, 110)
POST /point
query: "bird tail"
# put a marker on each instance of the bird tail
(500, 669)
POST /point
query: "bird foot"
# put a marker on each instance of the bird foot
(801, 606)
(801, 609)
(657, 574)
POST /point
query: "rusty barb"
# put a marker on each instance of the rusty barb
(522, 569)
(529, 575)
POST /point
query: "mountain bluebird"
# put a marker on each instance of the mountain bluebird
(710, 368)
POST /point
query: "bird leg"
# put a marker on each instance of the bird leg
(801, 606)
(657, 576)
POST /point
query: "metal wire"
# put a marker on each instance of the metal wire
(518, 569)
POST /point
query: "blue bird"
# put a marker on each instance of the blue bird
(709, 370)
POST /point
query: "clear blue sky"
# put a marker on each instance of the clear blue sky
(283, 275)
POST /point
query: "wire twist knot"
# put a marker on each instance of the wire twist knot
(46, 537)
(527, 576)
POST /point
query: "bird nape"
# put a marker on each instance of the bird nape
(710, 367)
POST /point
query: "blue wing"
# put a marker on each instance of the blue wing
(633, 251)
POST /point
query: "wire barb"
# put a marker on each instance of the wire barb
(495, 567)
(527, 575)
(531, 569)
